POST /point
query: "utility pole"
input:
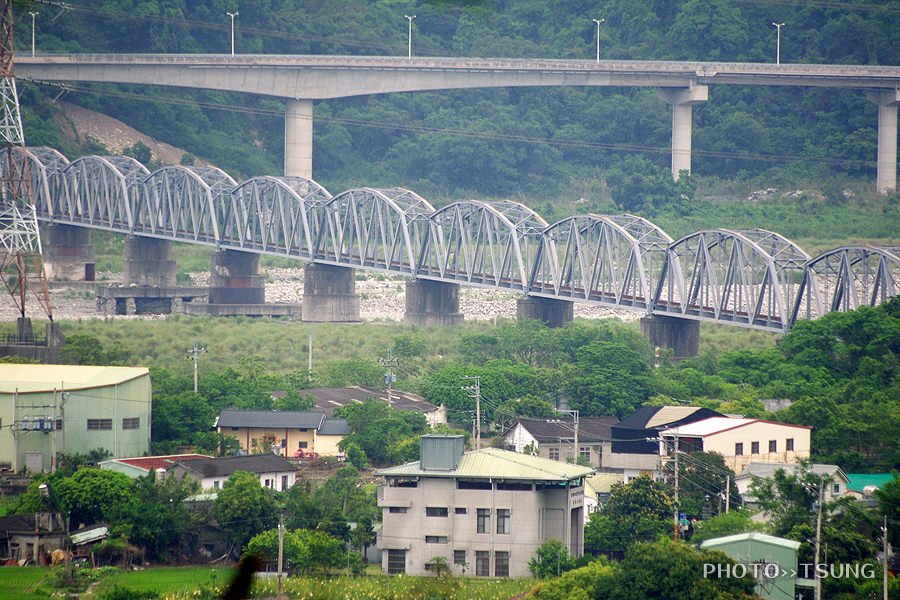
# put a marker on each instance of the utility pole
(310, 352)
(16, 431)
(727, 492)
(280, 547)
(676, 486)
(389, 378)
(195, 356)
(885, 550)
(818, 588)
(475, 392)
(53, 435)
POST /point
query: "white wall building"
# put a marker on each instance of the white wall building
(740, 441)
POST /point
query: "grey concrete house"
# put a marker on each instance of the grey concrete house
(484, 513)
(274, 472)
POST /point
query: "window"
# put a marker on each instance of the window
(773, 446)
(235, 428)
(435, 539)
(97, 424)
(501, 564)
(134, 423)
(304, 445)
(553, 453)
(268, 483)
(396, 562)
(479, 484)
(789, 444)
(754, 447)
(502, 520)
(514, 486)
(585, 452)
(397, 510)
(484, 520)
(459, 557)
(436, 511)
(836, 489)
(59, 424)
(215, 485)
(284, 482)
(482, 563)
(739, 449)
(460, 510)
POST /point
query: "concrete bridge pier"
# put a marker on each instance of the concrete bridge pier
(234, 278)
(887, 101)
(552, 311)
(329, 294)
(682, 101)
(675, 333)
(68, 253)
(432, 303)
(148, 262)
(298, 138)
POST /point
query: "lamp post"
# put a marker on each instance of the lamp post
(232, 15)
(598, 36)
(778, 26)
(33, 15)
(410, 19)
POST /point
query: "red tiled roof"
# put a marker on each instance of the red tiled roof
(159, 462)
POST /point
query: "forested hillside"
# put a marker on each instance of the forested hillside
(547, 146)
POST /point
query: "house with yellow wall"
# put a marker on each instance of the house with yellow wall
(286, 433)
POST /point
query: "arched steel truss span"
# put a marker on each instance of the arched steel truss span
(751, 278)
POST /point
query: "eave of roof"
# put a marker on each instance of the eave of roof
(492, 463)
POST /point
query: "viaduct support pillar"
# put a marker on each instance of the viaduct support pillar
(298, 138)
(552, 311)
(887, 101)
(234, 278)
(432, 303)
(68, 253)
(329, 294)
(680, 335)
(682, 101)
(148, 262)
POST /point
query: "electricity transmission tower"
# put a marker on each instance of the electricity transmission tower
(21, 265)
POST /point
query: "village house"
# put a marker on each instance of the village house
(274, 472)
(557, 439)
(287, 433)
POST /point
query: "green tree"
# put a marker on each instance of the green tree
(609, 379)
(639, 511)
(730, 523)
(140, 152)
(93, 496)
(551, 560)
(87, 350)
(243, 507)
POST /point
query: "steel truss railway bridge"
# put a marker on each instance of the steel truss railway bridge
(750, 278)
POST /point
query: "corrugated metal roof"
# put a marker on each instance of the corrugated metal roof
(498, 464)
(91, 535)
(754, 536)
(271, 419)
(224, 467)
(334, 427)
(590, 429)
(153, 462)
(670, 414)
(858, 481)
(29, 379)
(767, 470)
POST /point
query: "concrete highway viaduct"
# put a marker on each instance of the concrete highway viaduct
(303, 79)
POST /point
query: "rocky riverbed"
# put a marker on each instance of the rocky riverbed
(382, 299)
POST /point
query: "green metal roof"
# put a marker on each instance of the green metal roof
(30, 379)
(753, 535)
(497, 464)
(858, 481)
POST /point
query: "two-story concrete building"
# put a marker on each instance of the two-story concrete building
(485, 513)
(288, 433)
(740, 441)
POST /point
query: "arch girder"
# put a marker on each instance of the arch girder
(592, 258)
(184, 203)
(723, 276)
(375, 229)
(847, 278)
(475, 243)
(96, 191)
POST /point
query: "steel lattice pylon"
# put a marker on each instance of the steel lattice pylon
(20, 265)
